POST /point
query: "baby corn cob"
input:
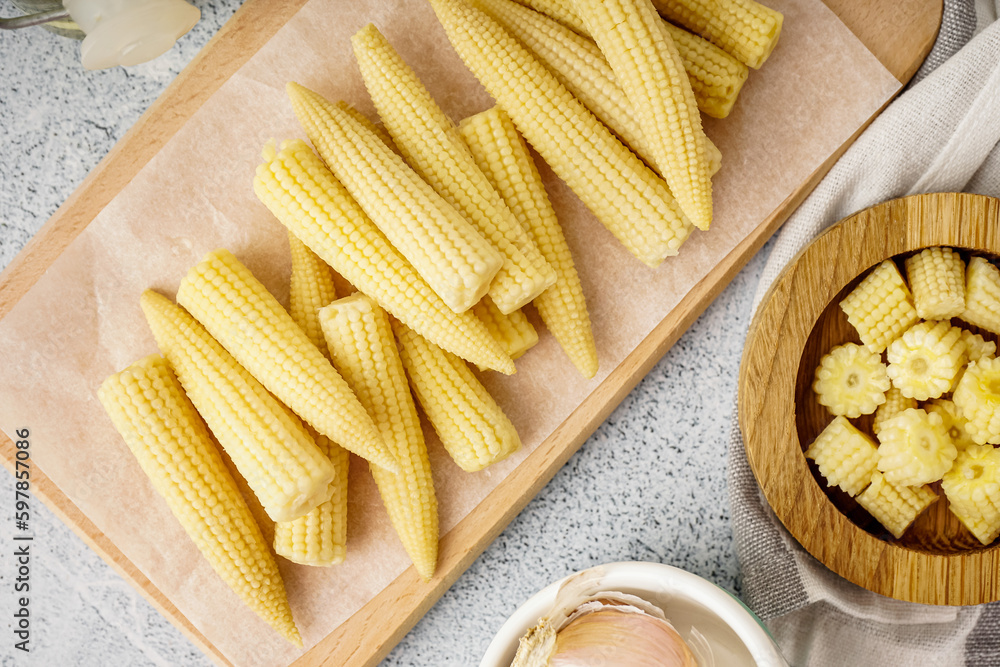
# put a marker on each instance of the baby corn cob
(430, 143)
(982, 295)
(716, 77)
(470, 424)
(894, 506)
(978, 397)
(845, 456)
(624, 194)
(649, 70)
(925, 360)
(895, 403)
(281, 463)
(242, 315)
(512, 330)
(501, 154)
(363, 348)
(972, 487)
(915, 448)
(378, 129)
(851, 380)
(880, 308)
(954, 423)
(443, 247)
(148, 407)
(305, 197)
(320, 537)
(937, 280)
(744, 28)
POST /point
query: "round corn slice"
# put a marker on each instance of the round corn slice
(895, 506)
(851, 381)
(982, 295)
(895, 403)
(915, 448)
(881, 307)
(978, 347)
(924, 361)
(937, 278)
(973, 490)
(845, 456)
(978, 397)
(953, 420)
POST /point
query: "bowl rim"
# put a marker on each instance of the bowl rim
(636, 575)
(775, 342)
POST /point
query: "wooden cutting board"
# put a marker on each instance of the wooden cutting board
(899, 34)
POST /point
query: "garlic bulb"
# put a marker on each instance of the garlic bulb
(588, 627)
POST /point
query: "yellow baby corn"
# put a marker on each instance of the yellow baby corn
(625, 195)
(894, 506)
(915, 448)
(880, 308)
(649, 69)
(305, 197)
(895, 403)
(250, 323)
(845, 456)
(925, 360)
(430, 143)
(744, 28)
(982, 295)
(378, 129)
(953, 421)
(363, 349)
(978, 347)
(513, 330)
(502, 155)
(447, 251)
(279, 460)
(978, 397)
(470, 424)
(972, 487)
(937, 280)
(851, 380)
(148, 407)
(320, 537)
(716, 77)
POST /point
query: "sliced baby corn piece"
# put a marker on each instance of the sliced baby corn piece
(250, 323)
(716, 77)
(925, 360)
(281, 463)
(845, 456)
(363, 348)
(650, 71)
(972, 487)
(880, 308)
(895, 403)
(982, 295)
(622, 192)
(320, 537)
(502, 155)
(915, 448)
(470, 424)
(851, 380)
(978, 347)
(305, 197)
(895, 506)
(443, 247)
(937, 280)
(160, 425)
(978, 397)
(430, 143)
(746, 29)
(954, 423)
(513, 331)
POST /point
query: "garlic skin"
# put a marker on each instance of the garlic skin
(590, 627)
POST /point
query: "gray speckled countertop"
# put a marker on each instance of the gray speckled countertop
(649, 484)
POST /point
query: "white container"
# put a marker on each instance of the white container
(737, 637)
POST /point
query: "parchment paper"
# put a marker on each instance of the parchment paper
(82, 322)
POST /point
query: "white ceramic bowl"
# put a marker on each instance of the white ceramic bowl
(737, 637)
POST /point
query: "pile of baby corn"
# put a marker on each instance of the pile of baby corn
(936, 399)
(444, 233)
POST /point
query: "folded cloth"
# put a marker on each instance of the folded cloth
(940, 135)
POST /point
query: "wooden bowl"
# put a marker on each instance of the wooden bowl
(937, 561)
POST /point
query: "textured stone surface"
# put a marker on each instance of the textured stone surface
(648, 485)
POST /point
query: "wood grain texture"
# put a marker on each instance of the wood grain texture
(900, 34)
(937, 561)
